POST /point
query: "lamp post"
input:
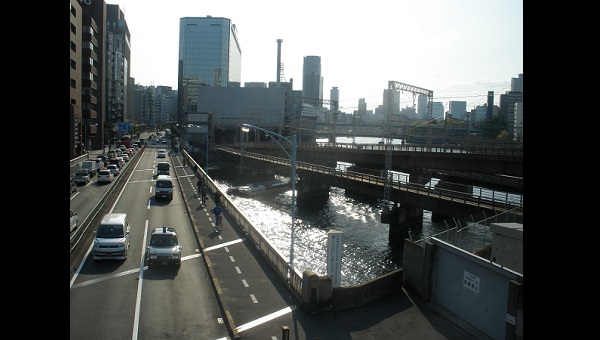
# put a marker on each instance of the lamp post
(246, 128)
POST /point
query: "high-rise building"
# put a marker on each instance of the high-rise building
(92, 75)
(422, 110)
(457, 109)
(75, 67)
(118, 56)
(516, 84)
(490, 105)
(334, 96)
(312, 81)
(209, 55)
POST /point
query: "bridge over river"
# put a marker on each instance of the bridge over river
(318, 169)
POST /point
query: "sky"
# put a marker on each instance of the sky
(459, 49)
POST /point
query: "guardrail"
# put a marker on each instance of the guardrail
(278, 261)
(99, 209)
(481, 151)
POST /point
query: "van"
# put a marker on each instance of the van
(162, 168)
(90, 166)
(164, 187)
(112, 238)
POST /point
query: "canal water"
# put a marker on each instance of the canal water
(366, 252)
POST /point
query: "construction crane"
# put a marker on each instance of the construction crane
(394, 86)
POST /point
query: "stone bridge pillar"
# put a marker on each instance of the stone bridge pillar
(311, 192)
(400, 220)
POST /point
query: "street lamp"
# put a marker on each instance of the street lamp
(246, 128)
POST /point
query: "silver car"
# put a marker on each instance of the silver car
(74, 221)
(163, 248)
(112, 237)
(105, 176)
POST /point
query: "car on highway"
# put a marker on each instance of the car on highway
(74, 221)
(99, 163)
(112, 237)
(105, 176)
(82, 176)
(114, 168)
(163, 248)
(162, 153)
(73, 185)
(164, 187)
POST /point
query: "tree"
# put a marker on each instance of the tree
(503, 135)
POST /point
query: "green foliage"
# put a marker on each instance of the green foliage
(503, 135)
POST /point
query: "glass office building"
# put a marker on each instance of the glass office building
(209, 55)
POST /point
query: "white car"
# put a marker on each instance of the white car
(105, 176)
(112, 238)
(74, 221)
(161, 154)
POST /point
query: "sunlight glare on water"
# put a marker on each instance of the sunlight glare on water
(366, 253)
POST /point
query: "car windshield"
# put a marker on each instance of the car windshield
(163, 240)
(110, 231)
(164, 184)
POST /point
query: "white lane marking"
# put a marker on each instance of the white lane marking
(138, 299)
(264, 319)
(224, 244)
(231, 259)
(237, 269)
(245, 283)
(253, 298)
(132, 271)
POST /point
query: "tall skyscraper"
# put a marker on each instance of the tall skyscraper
(490, 105)
(312, 81)
(334, 96)
(209, 55)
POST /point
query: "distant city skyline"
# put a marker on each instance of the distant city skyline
(459, 49)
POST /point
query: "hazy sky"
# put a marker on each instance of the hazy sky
(459, 49)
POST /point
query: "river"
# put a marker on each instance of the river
(366, 252)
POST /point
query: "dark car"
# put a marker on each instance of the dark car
(82, 176)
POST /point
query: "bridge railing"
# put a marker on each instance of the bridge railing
(469, 195)
(484, 151)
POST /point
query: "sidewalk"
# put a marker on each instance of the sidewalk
(258, 305)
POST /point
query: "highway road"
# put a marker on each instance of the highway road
(124, 299)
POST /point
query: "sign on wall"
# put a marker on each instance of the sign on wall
(334, 257)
